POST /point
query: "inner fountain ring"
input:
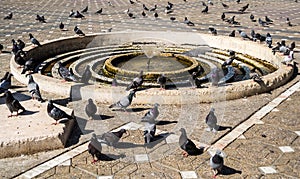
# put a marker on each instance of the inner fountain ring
(106, 94)
(110, 69)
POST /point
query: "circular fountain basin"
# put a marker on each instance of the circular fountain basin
(97, 48)
(127, 66)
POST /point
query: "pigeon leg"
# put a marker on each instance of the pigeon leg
(94, 161)
(185, 154)
(11, 115)
(55, 123)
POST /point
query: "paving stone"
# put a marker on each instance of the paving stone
(268, 170)
(286, 149)
(141, 158)
(188, 174)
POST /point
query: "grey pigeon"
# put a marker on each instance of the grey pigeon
(243, 9)
(213, 30)
(188, 22)
(187, 145)
(149, 132)
(252, 18)
(225, 5)
(20, 44)
(145, 7)
(99, 11)
(5, 84)
(136, 82)
(268, 20)
(211, 120)
(90, 108)
(162, 80)
(216, 162)
(65, 73)
(232, 33)
(29, 66)
(154, 8)
(56, 113)
(269, 40)
(85, 9)
(78, 31)
(124, 102)
(34, 89)
(262, 23)
(1, 48)
(33, 40)
(72, 13)
(112, 138)
(95, 148)
(244, 35)
(9, 16)
(19, 58)
(86, 76)
(205, 10)
(13, 104)
(77, 14)
(152, 114)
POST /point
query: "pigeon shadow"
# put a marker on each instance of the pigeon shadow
(101, 117)
(27, 112)
(74, 136)
(62, 102)
(223, 128)
(161, 123)
(126, 145)
(229, 171)
(110, 157)
(157, 139)
(236, 12)
(138, 109)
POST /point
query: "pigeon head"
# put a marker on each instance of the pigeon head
(7, 93)
(268, 34)
(212, 109)
(122, 131)
(239, 30)
(156, 105)
(59, 64)
(13, 41)
(30, 78)
(182, 130)
(30, 35)
(90, 100)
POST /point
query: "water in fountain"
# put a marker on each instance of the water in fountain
(150, 52)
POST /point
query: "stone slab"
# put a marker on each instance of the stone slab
(31, 131)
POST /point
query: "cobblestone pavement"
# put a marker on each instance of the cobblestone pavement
(269, 149)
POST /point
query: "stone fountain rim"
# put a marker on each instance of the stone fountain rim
(105, 94)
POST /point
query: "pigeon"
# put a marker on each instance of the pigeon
(210, 2)
(78, 31)
(292, 46)
(252, 18)
(77, 14)
(144, 14)
(90, 108)
(136, 82)
(243, 35)
(187, 145)
(155, 15)
(205, 10)
(188, 22)
(28, 66)
(33, 40)
(223, 16)
(268, 20)
(131, 2)
(72, 13)
(85, 9)
(232, 33)
(13, 104)
(145, 8)
(56, 113)
(95, 148)
(269, 40)
(213, 30)
(238, 1)
(152, 114)
(228, 62)
(203, 3)
(225, 5)
(34, 89)
(288, 22)
(216, 162)
(172, 18)
(86, 76)
(4, 77)
(162, 80)
(99, 11)
(15, 47)
(40, 18)
(1, 47)
(149, 132)
(19, 59)
(288, 58)
(5, 83)
(255, 77)
(112, 138)
(9, 16)
(20, 44)
(262, 23)
(124, 102)
(211, 120)
(154, 8)
(243, 9)
(61, 26)
(65, 73)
